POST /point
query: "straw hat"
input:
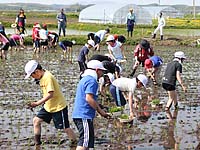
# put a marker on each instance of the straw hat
(14, 25)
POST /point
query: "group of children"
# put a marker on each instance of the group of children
(106, 69)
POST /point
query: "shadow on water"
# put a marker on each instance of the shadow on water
(152, 129)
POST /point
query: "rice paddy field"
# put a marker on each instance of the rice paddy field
(152, 129)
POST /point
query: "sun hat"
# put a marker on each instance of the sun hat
(91, 42)
(37, 26)
(179, 54)
(110, 38)
(144, 44)
(142, 78)
(14, 25)
(95, 64)
(148, 64)
(30, 68)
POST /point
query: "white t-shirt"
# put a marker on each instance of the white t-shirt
(43, 34)
(101, 34)
(116, 50)
(125, 84)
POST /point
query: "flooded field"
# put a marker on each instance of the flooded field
(153, 128)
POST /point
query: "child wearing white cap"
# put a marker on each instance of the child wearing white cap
(86, 105)
(127, 85)
(115, 49)
(172, 74)
(53, 101)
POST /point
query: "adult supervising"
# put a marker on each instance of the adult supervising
(62, 22)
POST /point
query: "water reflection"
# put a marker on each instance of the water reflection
(170, 142)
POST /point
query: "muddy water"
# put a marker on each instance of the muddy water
(153, 129)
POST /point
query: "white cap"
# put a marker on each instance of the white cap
(179, 54)
(30, 68)
(74, 42)
(22, 35)
(111, 77)
(95, 64)
(110, 38)
(143, 79)
(91, 42)
(37, 26)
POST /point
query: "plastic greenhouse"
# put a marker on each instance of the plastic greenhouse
(116, 13)
(113, 13)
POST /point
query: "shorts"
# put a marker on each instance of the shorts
(5, 47)
(44, 42)
(37, 43)
(168, 87)
(97, 40)
(60, 118)
(82, 66)
(86, 131)
(117, 95)
(12, 42)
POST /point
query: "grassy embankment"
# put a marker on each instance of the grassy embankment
(7, 18)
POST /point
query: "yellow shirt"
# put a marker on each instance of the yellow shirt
(57, 102)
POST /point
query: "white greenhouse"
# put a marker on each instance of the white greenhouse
(116, 13)
(113, 13)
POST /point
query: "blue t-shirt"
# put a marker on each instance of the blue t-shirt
(84, 51)
(82, 109)
(157, 61)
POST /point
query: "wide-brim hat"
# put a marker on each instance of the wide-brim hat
(14, 25)
(142, 78)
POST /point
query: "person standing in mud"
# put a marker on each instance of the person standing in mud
(21, 22)
(161, 24)
(86, 105)
(172, 74)
(130, 22)
(62, 22)
(54, 103)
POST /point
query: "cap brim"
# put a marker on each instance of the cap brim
(102, 68)
(144, 86)
(27, 76)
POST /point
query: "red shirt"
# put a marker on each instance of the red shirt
(35, 33)
(143, 54)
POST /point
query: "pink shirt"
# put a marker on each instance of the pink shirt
(3, 39)
(16, 37)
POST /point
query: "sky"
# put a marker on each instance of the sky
(137, 2)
